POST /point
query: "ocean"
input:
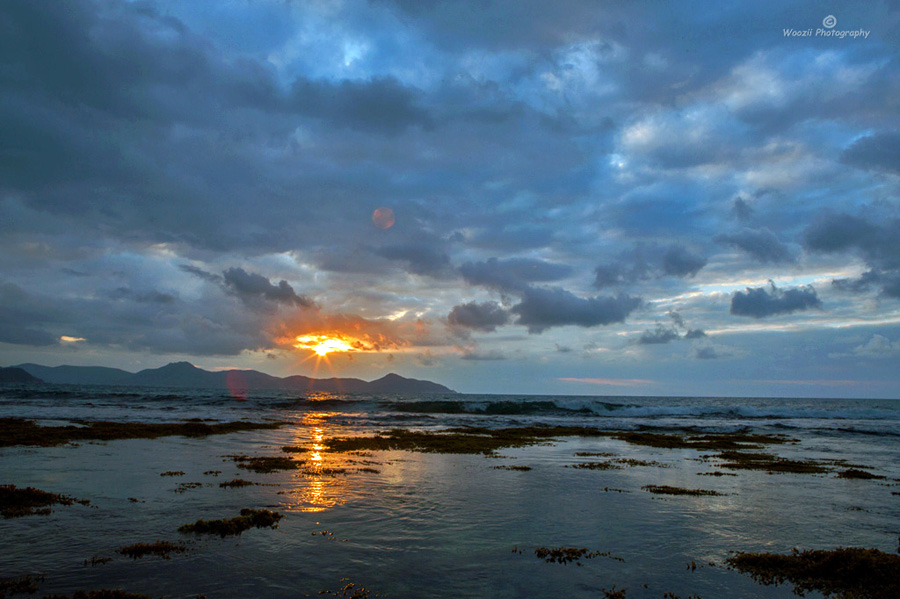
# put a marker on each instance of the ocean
(409, 524)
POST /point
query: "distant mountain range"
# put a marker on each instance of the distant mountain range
(16, 375)
(184, 374)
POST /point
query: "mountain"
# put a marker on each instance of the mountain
(77, 375)
(185, 374)
(17, 375)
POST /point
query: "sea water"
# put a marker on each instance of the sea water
(405, 524)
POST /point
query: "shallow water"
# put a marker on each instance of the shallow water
(430, 525)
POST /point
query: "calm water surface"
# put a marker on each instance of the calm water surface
(429, 525)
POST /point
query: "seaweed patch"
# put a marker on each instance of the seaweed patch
(27, 583)
(566, 555)
(163, 549)
(853, 573)
(265, 464)
(248, 519)
(100, 594)
(18, 431)
(667, 490)
(17, 502)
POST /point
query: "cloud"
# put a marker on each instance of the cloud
(761, 244)
(878, 347)
(485, 316)
(512, 274)
(648, 262)
(741, 209)
(143, 297)
(878, 152)
(381, 104)
(761, 303)
(678, 261)
(545, 307)
(251, 285)
(877, 242)
(711, 351)
(420, 259)
(200, 273)
(476, 355)
(659, 335)
(662, 334)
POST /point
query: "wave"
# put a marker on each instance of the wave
(604, 409)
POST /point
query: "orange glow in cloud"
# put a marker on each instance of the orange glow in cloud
(324, 344)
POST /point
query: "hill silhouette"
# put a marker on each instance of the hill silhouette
(185, 374)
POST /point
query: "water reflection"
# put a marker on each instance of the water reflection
(323, 484)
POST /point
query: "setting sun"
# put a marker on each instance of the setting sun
(322, 344)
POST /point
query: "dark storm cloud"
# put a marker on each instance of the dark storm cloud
(878, 243)
(706, 353)
(28, 318)
(661, 334)
(251, 285)
(879, 152)
(545, 307)
(512, 274)
(647, 262)
(485, 316)
(142, 297)
(741, 209)
(200, 273)
(761, 302)
(25, 317)
(761, 244)
(681, 262)
(419, 259)
(381, 105)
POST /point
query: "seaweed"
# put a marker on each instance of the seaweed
(172, 473)
(236, 483)
(213, 472)
(667, 490)
(182, 487)
(565, 555)
(487, 441)
(848, 573)
(742, 460)
(100, 594)
(18, 431)
(613, 593)
(16, 502)
(27, 583)
(519, 468)
(249, 518)
(608, 465)
(351, 590)
(163, 549)
(858, 474)
(265, 464)
(97, 561)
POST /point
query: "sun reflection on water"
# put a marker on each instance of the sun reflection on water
(322, 486)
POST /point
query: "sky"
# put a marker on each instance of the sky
(522, 197)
